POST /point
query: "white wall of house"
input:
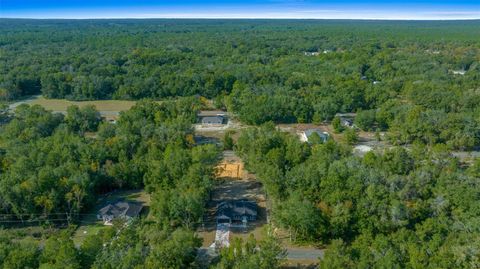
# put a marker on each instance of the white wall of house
(303, 137)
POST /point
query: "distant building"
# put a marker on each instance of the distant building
(119, 210)
(213, 120)
(459, 72)
(305, 135)
(311, 53)
(212, 117)
(110, 119)
(346, 122)
(346, 119)
(236, 211)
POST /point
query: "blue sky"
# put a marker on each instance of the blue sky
(334, 9)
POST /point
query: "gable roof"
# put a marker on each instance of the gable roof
(212, 120)
(235, 209)
(211, 113)
(122, 209)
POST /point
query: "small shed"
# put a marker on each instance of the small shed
(119, 210)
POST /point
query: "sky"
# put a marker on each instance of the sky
(277, 9)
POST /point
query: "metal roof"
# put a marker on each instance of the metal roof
(122, 209)
(212, 120)
(235, 209)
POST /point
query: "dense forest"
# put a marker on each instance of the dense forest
(52, 171)
(405, 207)
(418, 79)
(399, 209)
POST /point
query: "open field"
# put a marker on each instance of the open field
(90, 224)
(103, 105)
(60, 105)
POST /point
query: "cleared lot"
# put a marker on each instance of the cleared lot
(61, 105)
(234, 183)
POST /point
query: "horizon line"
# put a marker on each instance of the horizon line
(238, 18)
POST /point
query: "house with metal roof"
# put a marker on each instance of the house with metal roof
(240, 211)
(119, 210)
(213, 120)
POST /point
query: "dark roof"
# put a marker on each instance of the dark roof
(237, 209)
(122, 209)
(212, 120)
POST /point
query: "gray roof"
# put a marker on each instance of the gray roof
(236, 209)
(122, 209)
(210, 113)
(347, 115)
(212, 120)
(322, 135)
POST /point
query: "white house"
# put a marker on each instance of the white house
(459, 72)
(305, 135)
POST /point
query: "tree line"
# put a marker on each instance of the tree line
(401, 73)
(397, 209)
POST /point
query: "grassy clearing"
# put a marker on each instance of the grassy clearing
(101, 105)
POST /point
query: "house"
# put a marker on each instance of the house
(212, 117)
(110, 118)
(346, 119)
(346, 122)
(213, 120)
(311, 53)
(236, 211)
(305, 135)
(459, 72)
(119, 210)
